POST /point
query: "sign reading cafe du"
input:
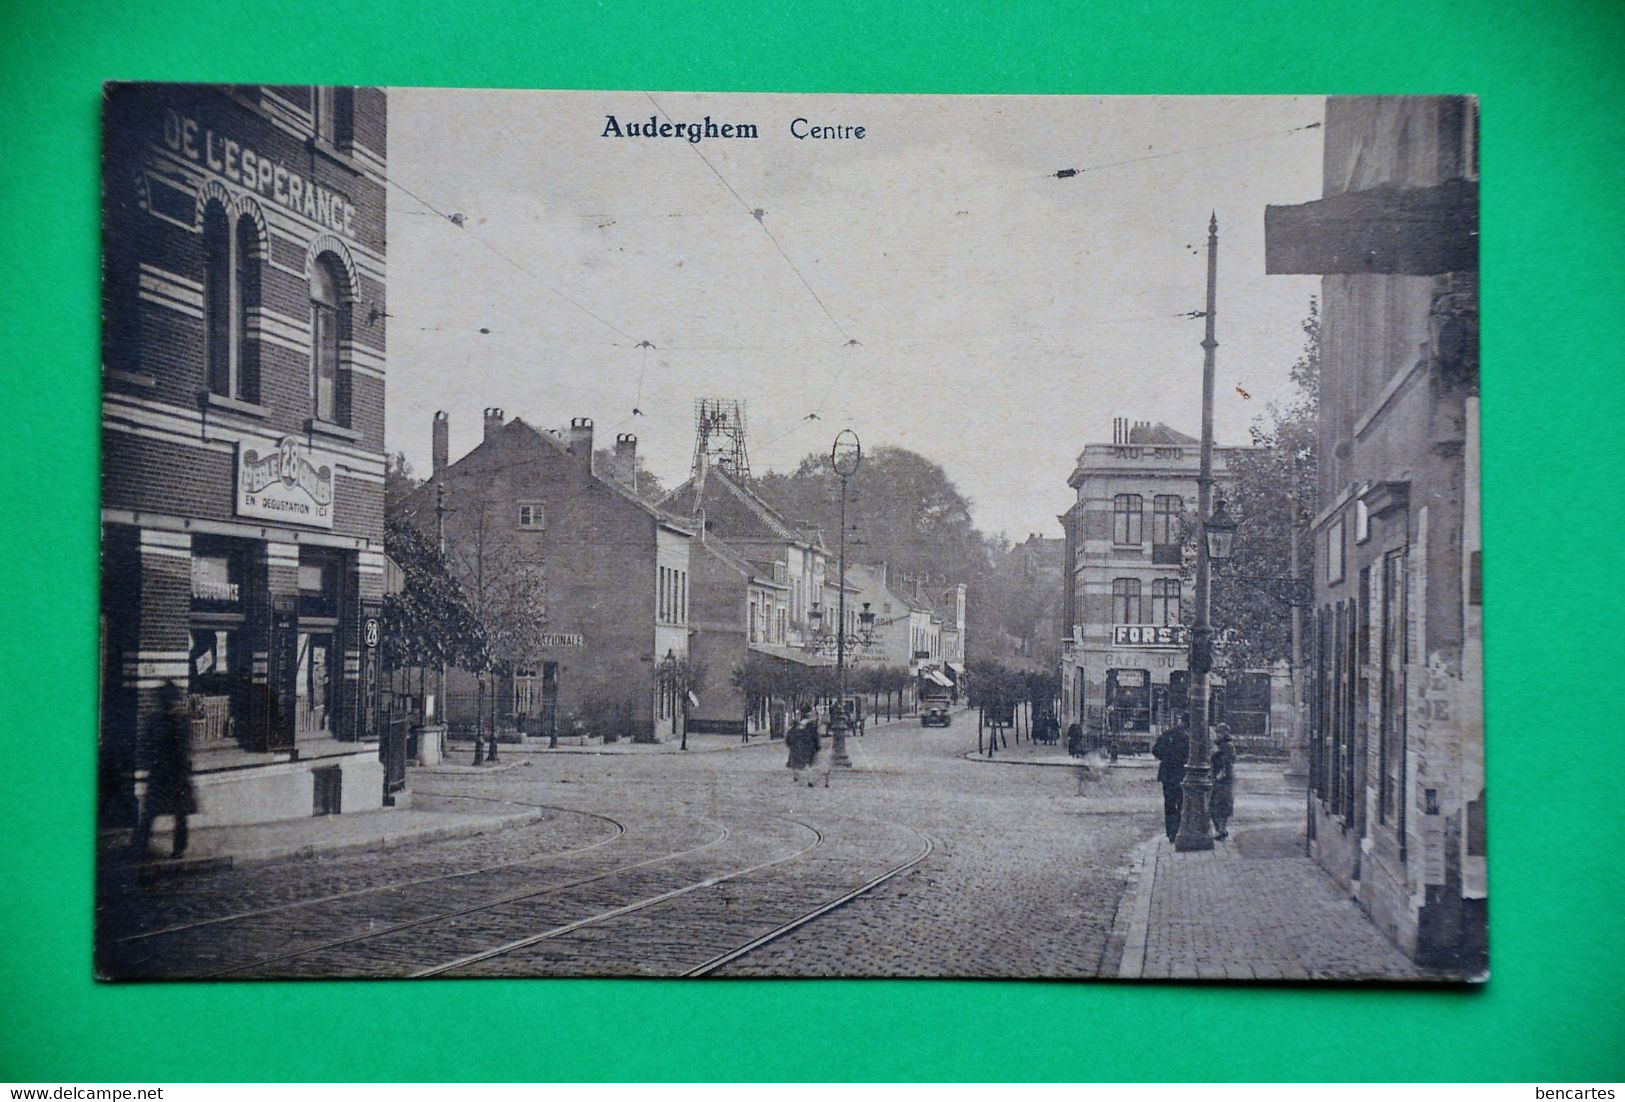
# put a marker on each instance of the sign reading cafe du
(283, 482)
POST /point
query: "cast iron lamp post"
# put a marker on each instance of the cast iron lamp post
(844, 457)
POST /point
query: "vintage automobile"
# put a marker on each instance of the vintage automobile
(934, 712)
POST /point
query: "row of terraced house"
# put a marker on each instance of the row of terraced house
(705, 577)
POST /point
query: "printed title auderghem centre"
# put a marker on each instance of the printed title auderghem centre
(800, 128)
(693, 131)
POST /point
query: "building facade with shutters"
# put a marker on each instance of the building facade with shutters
(243, 441)
(1396, 647)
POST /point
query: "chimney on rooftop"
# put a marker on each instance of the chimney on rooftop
(1119, 430)
(442, 441)
(493, 421)
(581, 439)
(626, 458)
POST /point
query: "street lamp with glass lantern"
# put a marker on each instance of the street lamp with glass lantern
(845, 456)
(1220, 532)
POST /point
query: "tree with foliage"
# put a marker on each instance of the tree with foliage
(506, 590)
(1271, 494)
(398, 483)
(430, 622)
(902, 509)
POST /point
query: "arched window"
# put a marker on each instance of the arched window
(246, 267)
(231, 289)
(327, 322)
(218, 307)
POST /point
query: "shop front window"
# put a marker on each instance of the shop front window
(219, 667)
(218, 678)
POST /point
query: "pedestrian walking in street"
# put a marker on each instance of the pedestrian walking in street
(822, 761)
(1222, 804)
(169, 772)
(1074, 740)
(1170, 750)
(802, 742)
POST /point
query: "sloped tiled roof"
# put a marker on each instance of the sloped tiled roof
(760, 573)
(551, 440)
(687, 500)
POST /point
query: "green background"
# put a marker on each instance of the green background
(1550, 77)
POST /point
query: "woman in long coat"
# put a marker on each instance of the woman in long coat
(1222, 804)
(802, 740)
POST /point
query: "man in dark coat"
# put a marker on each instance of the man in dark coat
(1222, 804)
(803, 744)
(169, 771)
(1172, 747)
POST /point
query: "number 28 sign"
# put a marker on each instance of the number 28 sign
(369, 632)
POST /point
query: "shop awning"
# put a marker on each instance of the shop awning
(792, 654)
(937, 676)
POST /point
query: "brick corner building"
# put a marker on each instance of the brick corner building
(243, 440)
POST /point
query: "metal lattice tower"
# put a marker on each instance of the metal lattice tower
(719, 437)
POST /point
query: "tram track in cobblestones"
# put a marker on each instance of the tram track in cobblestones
(624, 909)
(450, 916)
(721, 960)
(219, 940)
(618, 828)
(717, 929)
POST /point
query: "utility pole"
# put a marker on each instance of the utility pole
(844, 458)
(1194, 822)
(438, 726)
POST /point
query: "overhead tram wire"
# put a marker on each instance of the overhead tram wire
(760, 221)
(1068, 173)
(757, 217)
(461, 222)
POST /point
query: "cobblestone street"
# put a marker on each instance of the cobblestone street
(920, 861)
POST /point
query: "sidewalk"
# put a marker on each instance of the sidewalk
(210, 849)
(462, 752)
(1252, 908)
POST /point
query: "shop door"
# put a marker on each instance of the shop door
(276, 721)
(314, 685)
(548, 705)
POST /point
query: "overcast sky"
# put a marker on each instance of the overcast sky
(1002, 317)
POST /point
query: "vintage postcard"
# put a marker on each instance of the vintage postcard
(673, 534)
